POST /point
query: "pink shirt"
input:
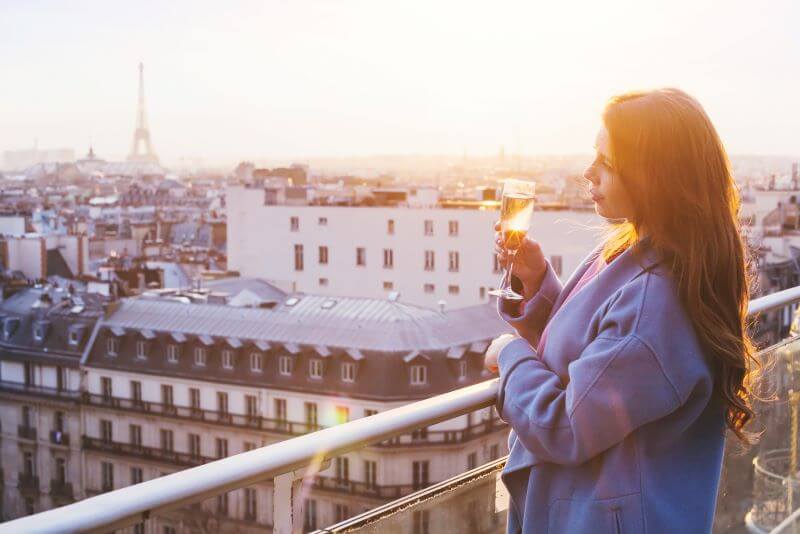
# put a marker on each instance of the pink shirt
(593, 270)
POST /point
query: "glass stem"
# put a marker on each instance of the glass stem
(511, 256)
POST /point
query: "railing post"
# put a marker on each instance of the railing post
(288, 501)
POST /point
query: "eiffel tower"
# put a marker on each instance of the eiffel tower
(141, 136)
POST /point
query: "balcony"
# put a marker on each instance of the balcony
(28, 484)
(181, 459)
(39, 391)
(292, 428)
(26, 432)
(61, 491)
(468, 502)
(59, 438)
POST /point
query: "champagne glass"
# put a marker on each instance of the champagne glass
(515, 218)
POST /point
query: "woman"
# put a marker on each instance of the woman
(620, 384)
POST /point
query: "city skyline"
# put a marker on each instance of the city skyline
(270, 80)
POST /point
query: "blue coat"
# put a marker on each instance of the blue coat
(615, 427)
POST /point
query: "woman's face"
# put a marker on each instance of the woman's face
(611, 198)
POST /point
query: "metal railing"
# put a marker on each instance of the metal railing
(294, 458)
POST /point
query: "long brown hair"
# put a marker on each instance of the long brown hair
(669, 157)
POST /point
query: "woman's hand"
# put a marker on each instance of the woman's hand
(529, 263)
(496, 346)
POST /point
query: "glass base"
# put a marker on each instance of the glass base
(506, 293)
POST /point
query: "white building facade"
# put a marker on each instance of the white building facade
(427, 255)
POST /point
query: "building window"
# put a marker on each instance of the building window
(390, 227)
(310, 515)
(141, 350)
(167, 440)
(28, 465)
(112, 346)
(200, 356)
(370, 473)
(136, 391)
(61, 470)
(323, 255)
(222, 504)
(311, 415)
(419, 471)
(168, 529)
(430, 263)
(342, 512)
(135, 435)
(222, 448)
(494, 452)
(73, 337)
(298, 257)
(453, 257)
(248, 446)
(30, 509)
(194, 445)
(58, 422)
(323, 282)
(388, 258)
(428, 227)
(462, 369)
(419, 375)
(495, 264)
(429, 288)
(137, 476)
(167, 396)
(294, 224)
(472, 461)
(61, 378)
(452, 228)
(421, 522)
(172, 353)
(194, 398)
(315, 368)
(106, 389)
(222, 402)
(26, 416)
(361, 256)
(482, 292)
(369, 411)
(138, 528)
(322, 221)
(388, 286)
(256, 362)
(107, 474)
(342, 414)
(30, 377)
(251, 406)
(227, 359)
(453, 289)
(556, 262)
(348, 371)
(38, 332)
(250, 504)
(285, 365)
(342, 470)
(280, 410)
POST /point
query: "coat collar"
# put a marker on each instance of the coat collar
(637, 259)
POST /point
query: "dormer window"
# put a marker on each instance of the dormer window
(38, 332)
(348, 372)
(172, 353)
(256, 362)
(73, 337)
(10, 325)
(285, 365)
(141, 349)
(200, 356)
(315, 368)
(419, 375)
(227, 359)
(112, 346)
(462, 369)
(75, 334)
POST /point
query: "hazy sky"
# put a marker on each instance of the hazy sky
(274, 79)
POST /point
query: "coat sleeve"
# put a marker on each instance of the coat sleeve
(616, 385)
(531, 322)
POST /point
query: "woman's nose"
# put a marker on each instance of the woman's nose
(590, 175)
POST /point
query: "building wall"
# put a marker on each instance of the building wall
(261, 243)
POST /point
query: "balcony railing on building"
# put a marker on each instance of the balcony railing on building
(467, 502)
